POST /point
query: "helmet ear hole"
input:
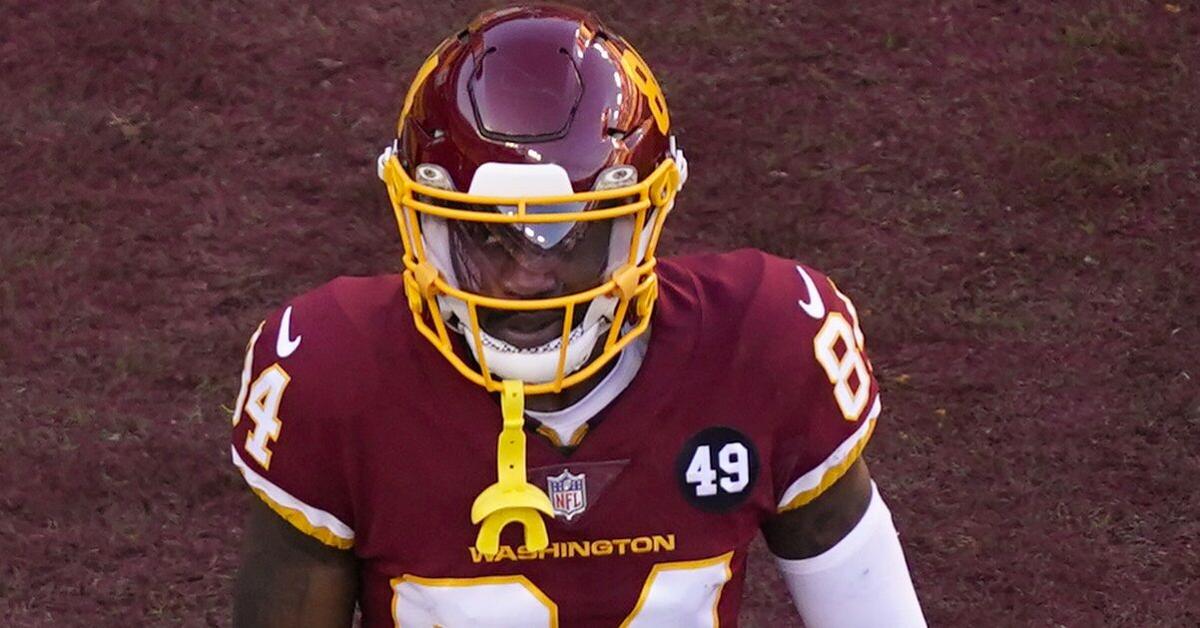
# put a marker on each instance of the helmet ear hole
(434, 176)
(616, 177)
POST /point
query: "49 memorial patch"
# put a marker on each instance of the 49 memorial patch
(717, 469)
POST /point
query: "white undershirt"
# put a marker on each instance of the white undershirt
(567, 421)
(861, 582)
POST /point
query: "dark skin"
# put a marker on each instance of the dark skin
(498, 261)
(818, 525)
(290, 579)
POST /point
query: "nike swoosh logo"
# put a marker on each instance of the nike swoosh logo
(285, 345)
(815, 307)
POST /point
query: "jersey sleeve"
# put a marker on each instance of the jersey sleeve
(288, 438)
(828, 395)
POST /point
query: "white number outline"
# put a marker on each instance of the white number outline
(852, 402)
(646, 599)
(440, 583)
(261, 404)
(697, 566)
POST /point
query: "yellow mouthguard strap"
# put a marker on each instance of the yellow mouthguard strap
(512, 498)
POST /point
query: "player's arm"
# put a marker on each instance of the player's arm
(841, 558)
(833, 535)
(288, 578)
(819, 525)
(297, 564)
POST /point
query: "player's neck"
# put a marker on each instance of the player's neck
(557, 401)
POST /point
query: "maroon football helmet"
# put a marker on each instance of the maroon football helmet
(532, 172)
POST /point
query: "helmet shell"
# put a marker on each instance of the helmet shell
(536, 84)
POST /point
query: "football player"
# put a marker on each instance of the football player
(539, 422)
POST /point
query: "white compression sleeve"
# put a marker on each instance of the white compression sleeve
(862, 582)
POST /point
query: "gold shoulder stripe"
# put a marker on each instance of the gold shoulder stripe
(300, 522)
(832, 475)
(314, 522)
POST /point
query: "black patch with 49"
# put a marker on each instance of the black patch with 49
(717, 469)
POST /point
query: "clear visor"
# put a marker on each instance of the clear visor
(546, 235)
(527, 260)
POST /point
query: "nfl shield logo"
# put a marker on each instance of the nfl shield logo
(568, 494)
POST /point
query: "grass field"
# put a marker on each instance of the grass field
(1008, 189)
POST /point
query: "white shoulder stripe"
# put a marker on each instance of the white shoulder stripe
(812, 480)
(317, 518)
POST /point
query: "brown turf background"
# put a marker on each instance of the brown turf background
(1008, 189)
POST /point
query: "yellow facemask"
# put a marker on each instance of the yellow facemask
(633, 284)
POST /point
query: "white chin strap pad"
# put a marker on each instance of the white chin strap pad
(536, 365)
(862, 582)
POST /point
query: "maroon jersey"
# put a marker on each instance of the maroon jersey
(754, 396)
